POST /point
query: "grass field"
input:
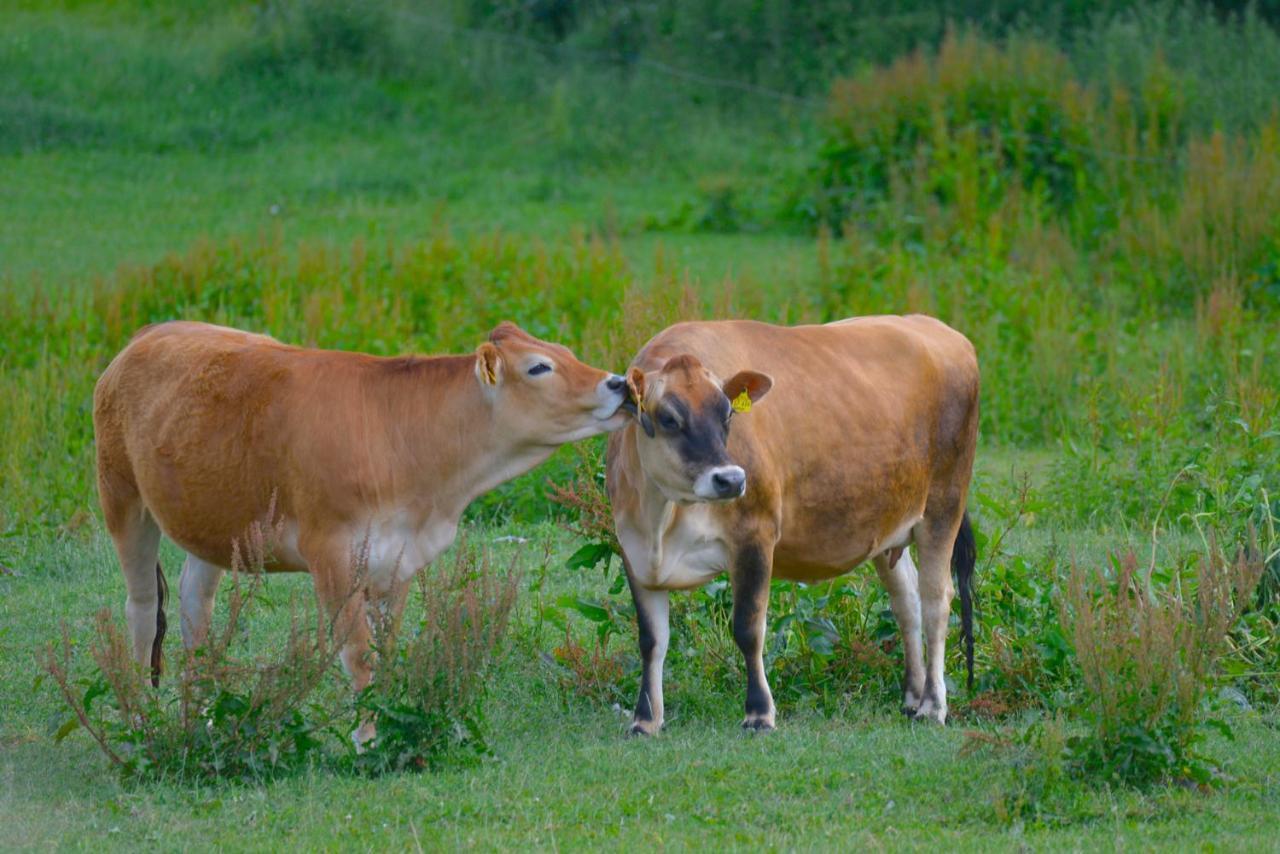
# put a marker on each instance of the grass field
(403, 189)
(563, 774)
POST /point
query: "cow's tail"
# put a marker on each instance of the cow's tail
(964, 557)
(157, 646)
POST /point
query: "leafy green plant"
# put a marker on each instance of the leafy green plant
(1147, 658)
(221, 716)
(427, 697)
(594, 669)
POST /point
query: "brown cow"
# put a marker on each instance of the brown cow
(199, 428)
(865, 444)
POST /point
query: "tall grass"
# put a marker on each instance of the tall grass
(1136, 396)
(1115, 266)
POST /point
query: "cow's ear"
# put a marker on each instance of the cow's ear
(747, 387)
(635, 387)
(488, 365)
(635, 398)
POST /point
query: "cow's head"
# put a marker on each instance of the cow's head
(684, 412)
(541, 394)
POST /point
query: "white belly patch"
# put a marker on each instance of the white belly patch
(389, 549)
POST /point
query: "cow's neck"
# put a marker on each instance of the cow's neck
(457, 450)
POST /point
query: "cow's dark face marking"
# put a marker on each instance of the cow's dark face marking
(685, 415)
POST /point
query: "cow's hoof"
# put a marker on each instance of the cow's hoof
(364, 735)
(640, 729)
(930, 712)
(758, 723)
(910, 704)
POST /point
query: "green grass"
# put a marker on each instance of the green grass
(1110, 377)
(176, 141)
(562, 773)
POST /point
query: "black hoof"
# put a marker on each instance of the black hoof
(927, 718)
(757, 725)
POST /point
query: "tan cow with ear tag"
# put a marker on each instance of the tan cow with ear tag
(201, 429)
(798, 453)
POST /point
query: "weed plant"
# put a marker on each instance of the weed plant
(1147, 659)
(228, 716)
(222, 715)
(430, 684)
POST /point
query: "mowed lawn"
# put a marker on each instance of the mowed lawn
(563, 775)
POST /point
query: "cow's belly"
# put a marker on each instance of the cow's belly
(808, 553)
(694, 547)
(387, 549)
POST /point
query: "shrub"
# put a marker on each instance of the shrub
(326, 35)
(587, 512)
(222, 716)
(830, 642)
(1147, 657)
(1024, 657)
(427, 695)
(958, 126)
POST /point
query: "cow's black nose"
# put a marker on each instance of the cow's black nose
(615, 383)
(729, 482)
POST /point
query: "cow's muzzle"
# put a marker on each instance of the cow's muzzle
(721, 483)
(611, 395)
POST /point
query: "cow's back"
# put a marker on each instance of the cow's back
(866, 419)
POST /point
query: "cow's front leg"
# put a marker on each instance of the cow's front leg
(653, 609)
(342, 594)
(750, 579)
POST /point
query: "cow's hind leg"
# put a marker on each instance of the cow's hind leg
(137, 541)
(749, 577)
(902, 582)
(935, 539)
(196, 589)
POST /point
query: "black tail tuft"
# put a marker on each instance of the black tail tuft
(157, 646)
(964, 557)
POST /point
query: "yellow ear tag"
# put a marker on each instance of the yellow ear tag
(742, 403)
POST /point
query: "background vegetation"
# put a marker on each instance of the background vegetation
(1091, 192)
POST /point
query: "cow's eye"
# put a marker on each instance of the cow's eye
(538, 369)
(668, 423)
